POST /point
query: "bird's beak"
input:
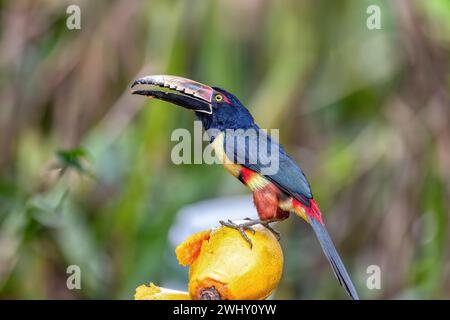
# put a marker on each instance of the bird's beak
(186, 93)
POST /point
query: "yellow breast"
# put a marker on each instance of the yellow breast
(219, 150)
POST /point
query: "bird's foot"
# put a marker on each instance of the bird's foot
(266, 224)
(241, 227)
(248, 226)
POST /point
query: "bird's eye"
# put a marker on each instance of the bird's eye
(218, 97)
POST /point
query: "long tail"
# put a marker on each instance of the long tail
(333, 257)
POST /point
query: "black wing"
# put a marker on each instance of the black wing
(255, 150)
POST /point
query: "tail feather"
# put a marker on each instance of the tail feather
(333, 257)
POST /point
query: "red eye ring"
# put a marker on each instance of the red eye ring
(226, 100)
(219, 97)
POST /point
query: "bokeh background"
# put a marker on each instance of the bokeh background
(86, 176)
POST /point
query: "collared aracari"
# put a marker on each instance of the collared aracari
(276, 194)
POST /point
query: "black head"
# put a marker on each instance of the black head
(227, 112)
(215, 107)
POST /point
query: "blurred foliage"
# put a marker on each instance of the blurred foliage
(85, 170)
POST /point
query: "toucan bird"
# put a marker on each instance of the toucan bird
(276, 193)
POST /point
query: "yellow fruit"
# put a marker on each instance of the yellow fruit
(189, 250)
(153, 292)
(222, 259)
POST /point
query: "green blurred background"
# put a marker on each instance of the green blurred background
(85, 171)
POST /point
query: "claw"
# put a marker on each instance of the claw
(241, 228)
(266, 224)
(248, 226)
